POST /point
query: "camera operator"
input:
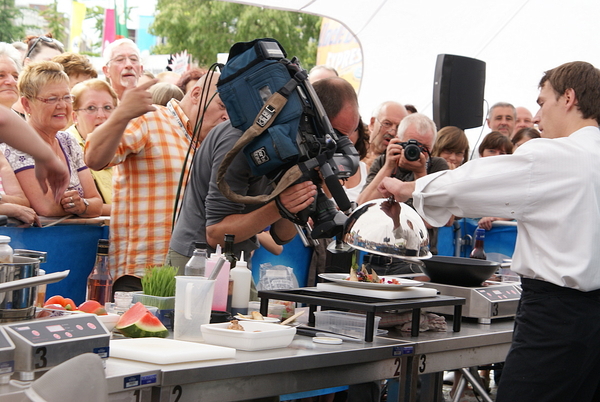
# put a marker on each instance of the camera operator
(416, 133)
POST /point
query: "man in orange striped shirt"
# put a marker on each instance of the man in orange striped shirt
(149, 153)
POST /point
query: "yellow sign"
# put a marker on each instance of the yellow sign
(338, 48)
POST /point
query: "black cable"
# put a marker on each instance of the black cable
(195, 140)
(487, 114)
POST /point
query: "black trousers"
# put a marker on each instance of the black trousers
(555, 353)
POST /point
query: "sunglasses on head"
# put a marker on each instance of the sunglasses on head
(41, 38)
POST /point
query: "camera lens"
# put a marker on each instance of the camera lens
(412, 152)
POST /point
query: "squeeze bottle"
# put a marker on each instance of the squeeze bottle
(241, 277)
(222, 282)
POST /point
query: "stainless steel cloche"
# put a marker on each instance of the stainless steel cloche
(389, 228)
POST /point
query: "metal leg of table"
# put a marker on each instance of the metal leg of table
(460, 388)
(475, 383)
(264, 306)
(370, 326)
(457, 318)
(432, 387)
(407, 391)
(416, 322)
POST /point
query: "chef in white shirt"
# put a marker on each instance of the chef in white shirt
(551, 186)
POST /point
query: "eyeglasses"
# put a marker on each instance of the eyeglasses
(54, 99)
(95, 109)
(42, 38)
(134, 59)
(388, 125)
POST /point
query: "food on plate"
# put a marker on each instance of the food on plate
(65, 302)
(363, 275)
(256, 315)
(92, 306)
(235, 325)
(138, 322)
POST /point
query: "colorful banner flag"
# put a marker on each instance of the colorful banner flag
(121, 19)
(77, 16)
(108, 31)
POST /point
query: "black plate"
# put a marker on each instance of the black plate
(459, 271)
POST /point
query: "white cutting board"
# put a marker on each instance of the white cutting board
(166, 351)
(408, 292)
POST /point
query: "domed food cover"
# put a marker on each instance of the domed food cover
(388, 228)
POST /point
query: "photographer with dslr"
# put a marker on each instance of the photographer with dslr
(407, 158)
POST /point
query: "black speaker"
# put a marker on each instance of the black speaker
(458, 88)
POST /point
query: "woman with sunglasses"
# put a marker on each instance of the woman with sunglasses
(94, 102)
(45, 95)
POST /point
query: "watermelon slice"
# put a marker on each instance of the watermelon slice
(138, 322)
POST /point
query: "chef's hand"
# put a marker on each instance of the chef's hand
(400, 190)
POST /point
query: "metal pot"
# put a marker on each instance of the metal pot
(459, 271)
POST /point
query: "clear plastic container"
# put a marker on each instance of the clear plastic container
(344, 323)
(6, 251)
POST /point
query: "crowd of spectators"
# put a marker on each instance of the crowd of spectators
(129, 139)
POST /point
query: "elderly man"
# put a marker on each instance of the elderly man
(383, 126)
(555, 353)
(149, 153)
(524, 119)
(123, 66)
(394, 163)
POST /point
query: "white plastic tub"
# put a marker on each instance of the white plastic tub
(256, 335)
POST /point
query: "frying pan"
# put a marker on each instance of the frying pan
(459, 271)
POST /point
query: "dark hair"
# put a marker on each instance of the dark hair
(335, 93)
(525, 132)
(410, 108)
(584, 79)
(452, 139)
(496, 140)
(36, 43)
(190, 75)
(362, 143)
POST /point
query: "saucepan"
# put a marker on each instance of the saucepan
(459, 271)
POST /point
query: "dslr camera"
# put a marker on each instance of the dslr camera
(413, 149)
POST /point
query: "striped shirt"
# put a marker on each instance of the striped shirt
(148, 165)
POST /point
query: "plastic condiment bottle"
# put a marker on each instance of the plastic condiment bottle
(242, 277)
(196, 266)
(100, 282)
(478, 251)
(6, 251)
(222, 282)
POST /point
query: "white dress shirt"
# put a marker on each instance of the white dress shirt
(550, 186)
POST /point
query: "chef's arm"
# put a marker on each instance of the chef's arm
(101, 144)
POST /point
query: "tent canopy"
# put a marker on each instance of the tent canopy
(400, 40)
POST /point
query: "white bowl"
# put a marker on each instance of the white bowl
(256, 335)
(264, 320)
(109, 320)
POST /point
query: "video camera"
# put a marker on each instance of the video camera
(294, 137)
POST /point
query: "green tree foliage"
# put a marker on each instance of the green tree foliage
(96, 13)
(57, 22)
(9, 30)
(205, 28)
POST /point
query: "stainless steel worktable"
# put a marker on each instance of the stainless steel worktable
(435, 352)
(302, 366)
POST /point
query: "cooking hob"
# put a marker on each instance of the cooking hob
(495, 300)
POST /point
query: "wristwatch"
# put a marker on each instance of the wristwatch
(87, 204)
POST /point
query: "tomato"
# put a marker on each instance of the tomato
(58, 299)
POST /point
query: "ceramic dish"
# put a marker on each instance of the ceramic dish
(271, 320)
(256, 335)
(342, 280)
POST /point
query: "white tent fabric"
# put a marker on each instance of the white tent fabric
(518, 40)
